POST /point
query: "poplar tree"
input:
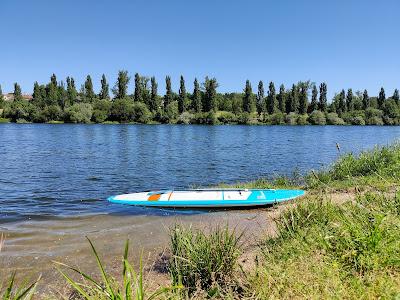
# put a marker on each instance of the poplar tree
(271, 98)
(71, 91)
(196, 97)
(168, 93)
(210, 96)
(154, 105)
(17, 92)
(52, 91)
(341, 107)
(182, 96)
(323, 101)
(1, 98)
(303, 99)
(121, 86)
(294, 99)
(88, 88)
(396, 96)
(260, 97)
(314, 99)
(349, 100)
(282, 99)
(365, 100)
(381, 98)
(104, 92)
(247, 97)
(37, 95)
(138, 88)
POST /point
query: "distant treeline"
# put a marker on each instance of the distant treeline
(302, 103)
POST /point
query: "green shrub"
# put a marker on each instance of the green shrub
(207, 118)
(317, 118)
(373, 116)
(227, 117)
(140, 113)
(334, 119)
(19, 110)
(203, 259)
(53, 113)
(185, 118)
(171, 112)
(243, 118)
(101, 110)
(79, 113)
(277, 118)
(121, 110)
(354, 117)
(291, 118)
(302, 119)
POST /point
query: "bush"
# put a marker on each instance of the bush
(243, 118)
(227, 117)
(19, 110)
(204, 259)
(101, 110)
(373, 116)
(277, 118)
(354, 117)
(121, 110)
(302, 119)
(140, 113)
(185, 118)
(206, 118)
(171, 112)
(79, 113)
(334, 119)
(291, 118)
(317, 118)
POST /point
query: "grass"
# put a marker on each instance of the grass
(5, 120)
(133, 286)
(203, 260)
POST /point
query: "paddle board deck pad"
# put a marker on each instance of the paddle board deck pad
(216, 198)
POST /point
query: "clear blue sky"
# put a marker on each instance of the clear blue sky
(345, 43)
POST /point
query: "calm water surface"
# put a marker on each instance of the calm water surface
(53, 171)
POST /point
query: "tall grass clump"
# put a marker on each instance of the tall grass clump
(13, 292)
(133, 286)
(203, 260)
(381, 163)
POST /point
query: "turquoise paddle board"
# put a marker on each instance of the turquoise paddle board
(211, 198)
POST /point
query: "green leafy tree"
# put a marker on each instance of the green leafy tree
(120, 89)
(1, 98)
(365, 100)
(294, 99)
(281, 97)
(381, 98)
(17, 92)
(71, 91)
(349, 100)
(314, 99)
(138, 89)
(341, 106)
(196, 97)
(396, 96)
(271, 99)
(168, 97)
(52, 91)
(323, 101)
(88, 89)
(38, 96)
(260, 98)
(248, 98)
(182, 100)
(303, 98)
(210, 95)
(104, 92)
(154, 104)
(62, 95)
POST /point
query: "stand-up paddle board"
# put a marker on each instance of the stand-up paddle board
(213, 198)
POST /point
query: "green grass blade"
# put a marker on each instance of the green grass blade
(75, 285)
(7, 295)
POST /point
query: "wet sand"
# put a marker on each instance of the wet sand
(32, 246)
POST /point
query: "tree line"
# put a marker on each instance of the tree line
(302, 103)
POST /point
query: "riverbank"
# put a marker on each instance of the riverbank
(343, 237)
